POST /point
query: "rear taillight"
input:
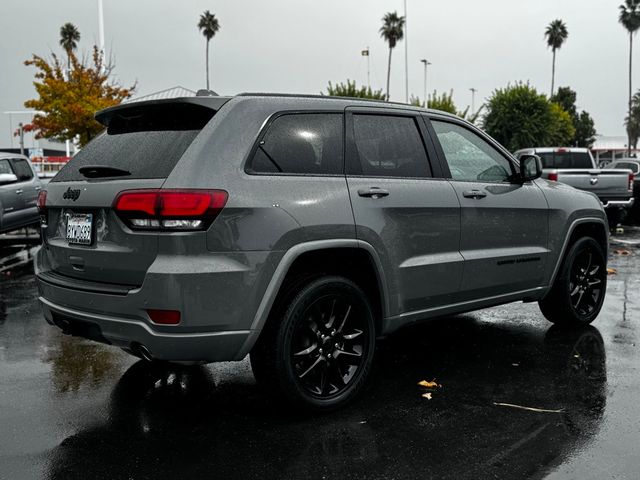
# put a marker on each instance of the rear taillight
(553, 176)
(631, 177)
(42, 201)
(169, 209)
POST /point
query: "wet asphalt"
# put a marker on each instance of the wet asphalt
(72, 409)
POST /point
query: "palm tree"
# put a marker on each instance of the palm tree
(392, 31)
(556, 34)
(69, 38)
(209, 26)
(630, 20)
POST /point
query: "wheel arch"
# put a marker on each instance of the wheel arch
(333, 257)
(583, 227)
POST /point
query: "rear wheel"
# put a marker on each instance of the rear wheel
(578, 292)
(317, 351)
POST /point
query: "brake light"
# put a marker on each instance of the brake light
(631, 177)
(553, 176)
(164, 317)
(42, 201)
(169, 209)
(561, 150)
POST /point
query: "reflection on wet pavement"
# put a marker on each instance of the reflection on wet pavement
(75, 409)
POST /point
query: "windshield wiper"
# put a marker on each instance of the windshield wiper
(97, 171)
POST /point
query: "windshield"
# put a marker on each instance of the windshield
(566, 160)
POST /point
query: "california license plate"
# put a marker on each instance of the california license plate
(79, 227)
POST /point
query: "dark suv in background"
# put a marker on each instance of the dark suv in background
(299, 229)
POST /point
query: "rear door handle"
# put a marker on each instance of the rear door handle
(474, 194)
(373, 192)
(19, 191)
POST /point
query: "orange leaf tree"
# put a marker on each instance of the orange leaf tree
(68, 100)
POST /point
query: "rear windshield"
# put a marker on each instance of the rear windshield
(148, 144)
(566, 160)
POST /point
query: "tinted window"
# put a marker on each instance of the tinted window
(144, 154)
(470, 157)
(389, 146)
(565, 160)
(5, 167)
(301, 143)
(22, 169)
(631, 166)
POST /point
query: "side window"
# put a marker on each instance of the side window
(309, 143)
(22, 169)
(388, 146)
(471, 158)
(5, 167)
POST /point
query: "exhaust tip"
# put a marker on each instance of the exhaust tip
(142, 352)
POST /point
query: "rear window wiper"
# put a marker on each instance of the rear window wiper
(97, 171)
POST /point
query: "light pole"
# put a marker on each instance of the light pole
(367, 53)
(426, 64)
(101, 26)
(406, 56)
(473, 100)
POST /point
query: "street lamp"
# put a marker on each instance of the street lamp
(473, 100)
(426, 63)
(406, 56)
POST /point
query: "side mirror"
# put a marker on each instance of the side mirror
(6, 178)
(530, 167)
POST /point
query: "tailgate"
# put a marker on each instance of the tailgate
(83, 237)
(604, 183)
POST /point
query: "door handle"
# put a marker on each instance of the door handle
(373, 192)
(38, 188)
(474, 194)
(19, 191)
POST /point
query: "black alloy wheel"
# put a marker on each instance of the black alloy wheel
(578, 292)
(317, 350)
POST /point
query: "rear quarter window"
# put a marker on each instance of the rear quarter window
(301, 143)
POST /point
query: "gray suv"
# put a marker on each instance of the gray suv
(300, 229)
(19, 189)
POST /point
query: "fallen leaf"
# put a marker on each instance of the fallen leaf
(621, 251)
(431, 384)
(427, 395)
(611, 271)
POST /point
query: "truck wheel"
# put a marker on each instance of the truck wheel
(317, 351)
(578, 292)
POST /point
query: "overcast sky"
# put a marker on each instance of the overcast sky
(299, 45)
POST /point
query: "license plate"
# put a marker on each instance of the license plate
(79, 228)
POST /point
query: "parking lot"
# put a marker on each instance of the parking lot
(515, 399)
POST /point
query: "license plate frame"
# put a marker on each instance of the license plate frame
(79, 229)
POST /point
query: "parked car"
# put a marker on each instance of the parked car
(300, 229)
(576, 167)
(632, 164)
(19, 188)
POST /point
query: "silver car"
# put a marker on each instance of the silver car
(19, 188)
(300, 229)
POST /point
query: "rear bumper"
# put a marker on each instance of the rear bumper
(129, 333)
(217, 296)
(618, 203)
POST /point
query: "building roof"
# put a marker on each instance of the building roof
(607, 143)
(173, 92)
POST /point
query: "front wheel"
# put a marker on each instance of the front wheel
(578, 292)
(318, 349)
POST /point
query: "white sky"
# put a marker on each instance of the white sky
(299, 45)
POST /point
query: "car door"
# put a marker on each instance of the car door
(10, 202)
(27, 189)
(504, 222)
(403, 207)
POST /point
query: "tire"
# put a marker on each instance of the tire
(578, 292)
(317, 350)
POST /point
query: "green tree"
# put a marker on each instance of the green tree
(585, 130)
(350, 89)
(68, 102)
(392, 31)
(582, 122)
(519, 117)
(556, 34)
(630, 19)
(209, 26)
(69, 38)
(632, 121)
